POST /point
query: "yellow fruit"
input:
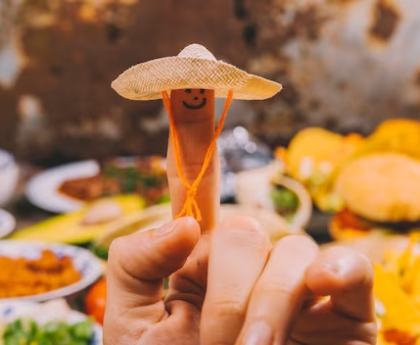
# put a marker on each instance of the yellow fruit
(71, 228)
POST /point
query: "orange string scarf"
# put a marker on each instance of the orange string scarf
(190, 206)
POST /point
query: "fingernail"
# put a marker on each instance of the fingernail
(330, 266)
(259, 334)
(166, 229)
(340, 266)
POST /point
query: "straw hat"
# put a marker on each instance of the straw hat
(194, 68)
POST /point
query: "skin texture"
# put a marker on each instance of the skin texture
(229, 284)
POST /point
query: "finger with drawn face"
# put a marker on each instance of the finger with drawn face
(193, 116)
(194, 120)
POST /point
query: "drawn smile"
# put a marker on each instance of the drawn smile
(199, 106)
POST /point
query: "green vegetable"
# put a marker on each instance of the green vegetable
(164, 199)
(82, 330)
(285, 201)
(131, 178)
(28, 332)
(100, 251)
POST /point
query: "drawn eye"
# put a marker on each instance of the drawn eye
(202, 91)
(188, 90)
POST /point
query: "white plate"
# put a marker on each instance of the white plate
(83, 260)
(7, 223)
(42, 189)
(12, 310)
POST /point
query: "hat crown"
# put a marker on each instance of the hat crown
(196, 51)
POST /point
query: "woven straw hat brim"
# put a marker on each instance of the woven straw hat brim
(146, 81)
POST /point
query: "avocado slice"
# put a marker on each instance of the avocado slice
(69, 228)
(155, 216)
(149, 218)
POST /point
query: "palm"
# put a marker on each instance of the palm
(181, 328)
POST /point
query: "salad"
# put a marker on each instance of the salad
(29, 332)
(49, 323)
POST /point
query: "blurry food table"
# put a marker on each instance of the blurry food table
(27, 214)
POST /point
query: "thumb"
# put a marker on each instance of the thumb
(137, 264)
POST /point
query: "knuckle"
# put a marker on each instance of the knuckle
(283, 291)
(117, 254)
(242, 230)
(242, 221)
(227, 306)
(371, 331)
(116, 248)
(300, 241)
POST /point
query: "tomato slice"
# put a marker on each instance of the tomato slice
(95, 301)
(348, 219)
(397, 337)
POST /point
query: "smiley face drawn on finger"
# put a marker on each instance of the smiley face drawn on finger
(194, 99)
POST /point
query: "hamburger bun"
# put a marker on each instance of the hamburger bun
(383, 187)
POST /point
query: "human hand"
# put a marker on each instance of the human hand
(228, 284)
(255, 292)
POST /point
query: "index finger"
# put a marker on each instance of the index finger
(192, 112)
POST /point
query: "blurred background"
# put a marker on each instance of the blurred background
(335, 155)
(345, 65)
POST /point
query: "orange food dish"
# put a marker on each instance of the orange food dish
(24, 277)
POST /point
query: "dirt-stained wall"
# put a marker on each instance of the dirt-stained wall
(345, 65)
(59, 58)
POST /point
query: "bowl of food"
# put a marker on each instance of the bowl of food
(269, 188)
(67, 188)
(35, 271)
(9, 174)
(52, 322)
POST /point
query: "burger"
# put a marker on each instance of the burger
(381, 192)
(379, 184)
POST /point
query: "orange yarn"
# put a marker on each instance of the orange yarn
(190, 206)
